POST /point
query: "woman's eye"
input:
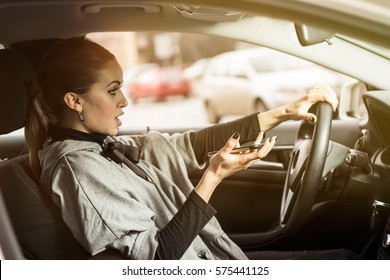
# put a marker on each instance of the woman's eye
(113, 91)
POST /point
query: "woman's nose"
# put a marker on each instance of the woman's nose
(123, 101)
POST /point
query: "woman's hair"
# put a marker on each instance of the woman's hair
(72, 65)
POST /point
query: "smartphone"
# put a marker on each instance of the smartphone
(240, 149)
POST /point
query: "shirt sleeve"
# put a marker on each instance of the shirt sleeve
(178, 234)
(193, 146)
(214, 137)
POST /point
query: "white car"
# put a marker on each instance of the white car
(258, 79)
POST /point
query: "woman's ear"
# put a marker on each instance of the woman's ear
(72, 100)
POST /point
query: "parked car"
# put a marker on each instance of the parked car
(258, 79)
(131, 73)
(258, 208)
(158, 83)
(196, 70)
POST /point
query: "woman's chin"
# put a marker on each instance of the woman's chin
(114, 132)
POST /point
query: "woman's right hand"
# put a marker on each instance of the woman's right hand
(224, 164)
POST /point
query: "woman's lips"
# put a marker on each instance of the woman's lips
(119, 122)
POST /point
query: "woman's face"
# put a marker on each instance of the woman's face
(103, 103)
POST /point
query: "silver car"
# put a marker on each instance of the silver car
(258, 79)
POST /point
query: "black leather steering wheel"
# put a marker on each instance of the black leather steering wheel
(305, 170)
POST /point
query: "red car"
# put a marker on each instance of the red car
(159, 83)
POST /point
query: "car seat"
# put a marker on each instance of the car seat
(36, 221)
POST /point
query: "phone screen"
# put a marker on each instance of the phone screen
(240, 149)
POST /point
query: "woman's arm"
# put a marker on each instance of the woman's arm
(175, 238)
(214, 137)
(178, 234)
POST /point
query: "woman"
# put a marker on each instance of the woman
(133, 193)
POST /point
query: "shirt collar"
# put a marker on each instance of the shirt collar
(58, 133)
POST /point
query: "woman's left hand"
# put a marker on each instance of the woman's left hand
(298, 110)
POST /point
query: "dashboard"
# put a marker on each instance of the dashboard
(375, 141)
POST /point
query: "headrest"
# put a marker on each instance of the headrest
(15, 74)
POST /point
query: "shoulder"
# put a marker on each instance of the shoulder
(51, 155)
(150, 141)
(62, 148)
(140, 139)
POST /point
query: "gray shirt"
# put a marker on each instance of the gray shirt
(106, 205)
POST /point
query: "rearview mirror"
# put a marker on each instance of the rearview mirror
(308, 35)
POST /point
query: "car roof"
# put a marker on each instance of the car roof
(263, 22)
(247, 53)
(27, 19)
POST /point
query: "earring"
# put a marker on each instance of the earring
(81, 116)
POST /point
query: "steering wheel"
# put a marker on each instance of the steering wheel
(305, 170)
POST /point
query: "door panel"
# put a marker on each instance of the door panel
(248, 202)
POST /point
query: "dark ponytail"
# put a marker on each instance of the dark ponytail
(35, 132)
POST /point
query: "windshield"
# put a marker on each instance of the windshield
(273, 63)
(197, 86)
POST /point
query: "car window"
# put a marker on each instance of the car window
(170, 75)
(217, 67)
(278, 62)
(236, 69)
(146, 78)
(185, 98)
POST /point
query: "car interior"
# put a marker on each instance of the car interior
(348, 208)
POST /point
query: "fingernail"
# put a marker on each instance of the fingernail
(236, 135)
(269, 139)
(276, 138)
(313, 120)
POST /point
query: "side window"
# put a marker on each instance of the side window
(237, 69)
(196, 95)
(210, 68)
(217, 67)
(146, 78)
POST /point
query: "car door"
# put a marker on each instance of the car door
(248, 202)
